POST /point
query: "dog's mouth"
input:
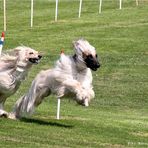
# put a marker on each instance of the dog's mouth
(35, 60)
(92, 62)
(93, 66)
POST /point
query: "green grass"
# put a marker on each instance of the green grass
(118, 116)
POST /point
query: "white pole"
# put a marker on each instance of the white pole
(100, 6)
(4, 2)
(80, 8)
(2, 42)
(58, 108)
(31, 23)
(137, 2)
(56, 11)
(120, 4)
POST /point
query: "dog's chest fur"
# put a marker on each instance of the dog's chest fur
(68, 68)
(79, 75)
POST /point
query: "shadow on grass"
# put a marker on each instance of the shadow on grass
(43, 122)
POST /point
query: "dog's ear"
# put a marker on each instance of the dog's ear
(77, 48)
(75, 44)
(16, 51)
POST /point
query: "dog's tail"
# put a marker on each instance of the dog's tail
(26, 104)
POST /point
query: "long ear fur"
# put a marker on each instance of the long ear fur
(75, 44)
(16, 52)
(77, 48)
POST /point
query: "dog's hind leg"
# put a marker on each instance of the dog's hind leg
(23, 105)
(2, 112)
(15, 114)
(27, 103)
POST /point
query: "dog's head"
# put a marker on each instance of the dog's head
(86, 54)
(28, 55)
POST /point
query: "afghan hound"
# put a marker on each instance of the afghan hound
(14, 67)
(71, 75)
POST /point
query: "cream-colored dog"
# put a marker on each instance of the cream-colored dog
(13, 69)
(72, 74)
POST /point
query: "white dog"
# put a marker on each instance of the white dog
(13, 69)
(71, 74)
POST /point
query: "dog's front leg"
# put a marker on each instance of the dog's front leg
(91, 95)
(76, 87)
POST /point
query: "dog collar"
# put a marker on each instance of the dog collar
(21, 64)
(19, 69)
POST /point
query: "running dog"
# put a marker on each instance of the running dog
(71, 75)
(14, 67)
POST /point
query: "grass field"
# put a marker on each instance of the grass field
(118, 116)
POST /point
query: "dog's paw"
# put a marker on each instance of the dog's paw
(83, 102)
(12, 116)
(86, 102)
(82, 98)
(3, 114)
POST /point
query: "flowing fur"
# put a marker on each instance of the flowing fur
(71, 75)
(14, 67)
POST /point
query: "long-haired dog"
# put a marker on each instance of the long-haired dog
(71, 74)
(14, 67)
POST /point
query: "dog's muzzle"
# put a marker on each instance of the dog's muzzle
(92, 63)
(35, 60)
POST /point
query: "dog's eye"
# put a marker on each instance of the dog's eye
(30, 52)
(96, 56)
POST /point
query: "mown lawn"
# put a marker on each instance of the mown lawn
(118, 116)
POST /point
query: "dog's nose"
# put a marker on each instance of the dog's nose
(39, 56)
